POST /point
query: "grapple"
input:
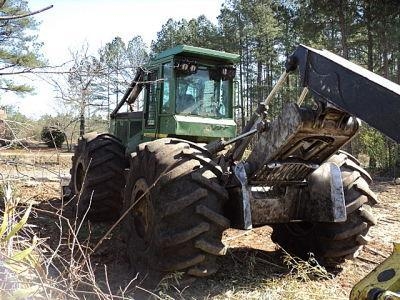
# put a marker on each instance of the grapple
(359, 92)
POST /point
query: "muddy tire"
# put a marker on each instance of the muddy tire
(174, 203)
(97, 177)
(333, 242)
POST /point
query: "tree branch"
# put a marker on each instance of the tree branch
(5, 18)
(28, 70)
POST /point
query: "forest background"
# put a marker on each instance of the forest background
(262, 32)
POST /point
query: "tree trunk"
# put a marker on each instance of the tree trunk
(82, 118)
(241, 89)
(259, 82)
(385, 55)
(242, 117)
(247, 76)
(370, 44)
(343, 28)
(108, 96)
(398, 62)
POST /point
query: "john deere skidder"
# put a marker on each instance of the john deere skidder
(175, 168)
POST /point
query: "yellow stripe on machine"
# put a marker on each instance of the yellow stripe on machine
(155, 135)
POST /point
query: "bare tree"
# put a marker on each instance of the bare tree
(120, 62)
(79, 86)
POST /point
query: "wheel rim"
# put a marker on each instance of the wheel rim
(79, 176)
(142, 212)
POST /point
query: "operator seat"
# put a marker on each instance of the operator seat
(185, 102)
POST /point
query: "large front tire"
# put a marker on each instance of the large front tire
(333, 242)
(174, 203)
(97, 176)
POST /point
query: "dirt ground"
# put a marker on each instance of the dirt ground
(254, 267)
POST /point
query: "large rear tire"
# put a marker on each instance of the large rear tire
(97, 176)
(333, 242)
(175, 220)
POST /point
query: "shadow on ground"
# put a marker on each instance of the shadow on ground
(242, 268)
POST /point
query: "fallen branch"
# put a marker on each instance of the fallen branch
(376, 251)
(367, 260)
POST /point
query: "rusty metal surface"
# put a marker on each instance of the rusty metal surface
(268, 210)
(297, 142)
(132, 92)
(269, 143)
(320, 200)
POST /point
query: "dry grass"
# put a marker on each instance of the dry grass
(54, 267)
(45, 251)
(255, 274)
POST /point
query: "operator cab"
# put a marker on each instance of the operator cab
(188, 93)
(201, 90)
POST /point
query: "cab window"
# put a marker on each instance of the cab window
(166, 86)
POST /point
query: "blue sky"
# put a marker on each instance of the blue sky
(71, 23)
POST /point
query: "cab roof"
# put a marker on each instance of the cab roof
(198, 52)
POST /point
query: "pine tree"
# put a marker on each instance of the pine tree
(19, 50)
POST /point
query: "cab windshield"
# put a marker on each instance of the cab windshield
(198, 94)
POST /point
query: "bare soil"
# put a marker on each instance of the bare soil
(254, 267)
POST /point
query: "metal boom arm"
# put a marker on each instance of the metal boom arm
(132, 92)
